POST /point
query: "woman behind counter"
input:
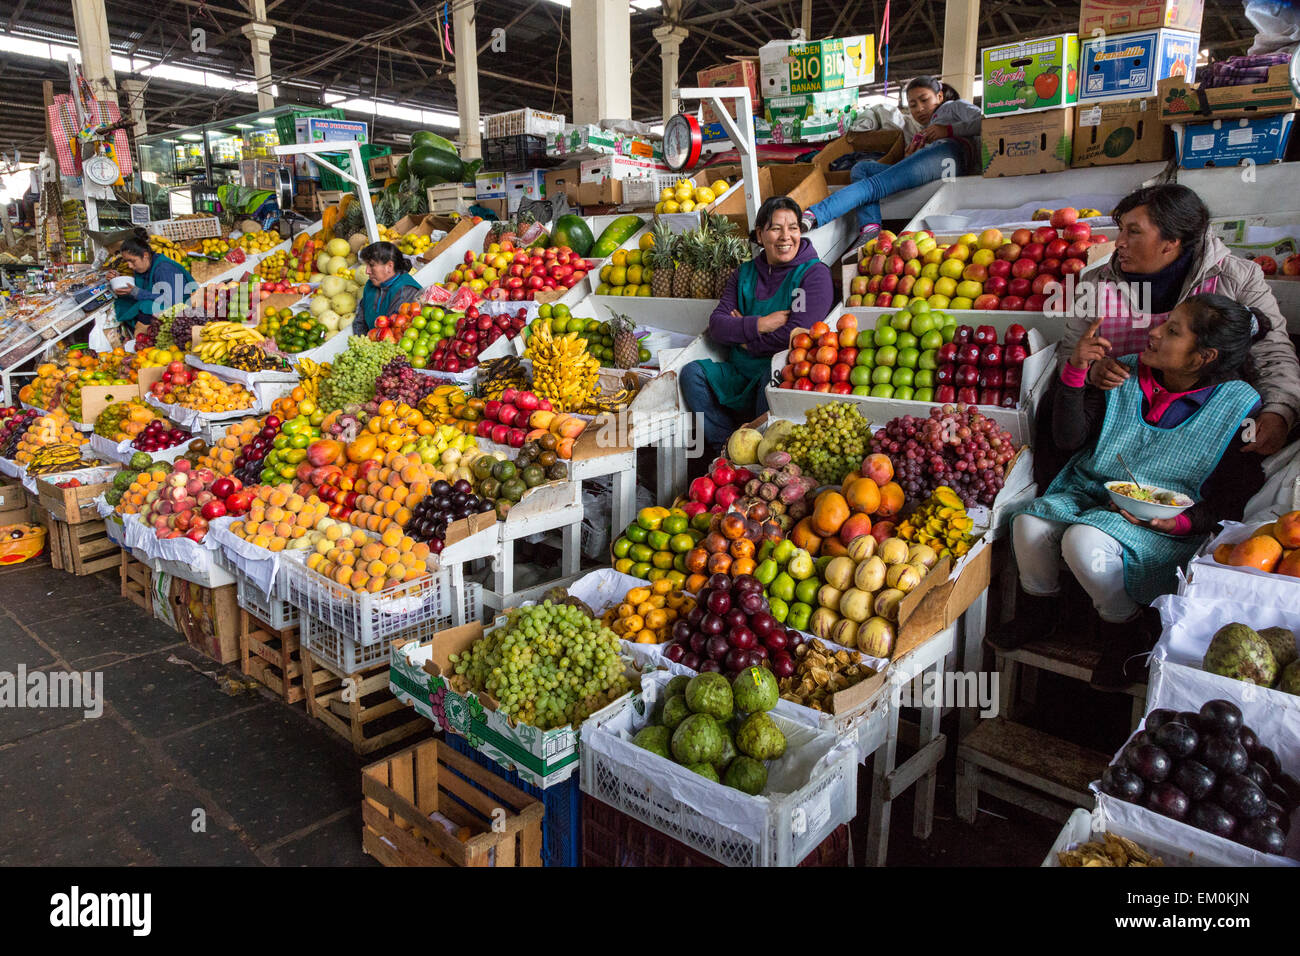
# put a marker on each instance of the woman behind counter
(784, 288)
(389, 285)
(160, 283)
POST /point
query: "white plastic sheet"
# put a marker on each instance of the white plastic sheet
(259, 565)
(1207, 578)
(246, 379)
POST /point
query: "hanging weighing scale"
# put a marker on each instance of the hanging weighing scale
(683, 142)
(101, 170)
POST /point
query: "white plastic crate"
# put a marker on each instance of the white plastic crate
(412, 608)
(182, 230)
(273, 611)
(346, 656)
(525, 122)
(783, 827)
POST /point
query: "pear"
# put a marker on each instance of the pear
(801, 565)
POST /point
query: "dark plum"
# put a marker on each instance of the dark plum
(1266, 759)
(1241, 797)
(1291, 786)
(674, 652)
(698, 642)
(1149, 762)
(1168, 800)
(1161, 715)
(1222, 754)
(1176, 739)
(691, 660)
(1194, 779)
(1121, 782)
(1257, 773)
(1277, 817)
(1260, 835)
(1247, 738)
(1212, 818)
(746, 582)
(710, 666)
(1220, 717)
(718, 647)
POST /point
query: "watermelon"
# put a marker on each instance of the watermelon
(572, 231)
(616, 233)
(424, 137)
(403, 169)
(427, 162)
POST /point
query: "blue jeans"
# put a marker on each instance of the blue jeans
(873, 181)
(718, 420)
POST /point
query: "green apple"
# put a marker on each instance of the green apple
(901, 320)
(901, 376)
(861, 390)
(882, 322)
(866, 357)
(864, 339)
(886, 356)
(932, 339)
(923, 395)
(918, 306)
(881, 374)
(860, 375)
(798, 616)
(882, 391)
(949, 332)
(924, 378)
(885, 336)
(929, 359)
(906, 340)
(904, 393)
(907, 358)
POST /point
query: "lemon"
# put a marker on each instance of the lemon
(704, 195)
(666, 194)
(659, 208)
(688, 205)
(644, 291)
(684, 193)
(719, 187)
(618, 276)
(603, 289)
(634, 257)
(672, 205)
(648, 240)
(647, 274)
(619, 258)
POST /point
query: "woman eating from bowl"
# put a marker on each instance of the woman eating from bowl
(1166, 248)
(160, 283)
(948, 144)
(784, 288)
(1177, 419)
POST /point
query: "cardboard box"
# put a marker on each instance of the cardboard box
(803, 105)
(497, 206)
(1119, 131)
(1124, 16)
(208, 617)
(1230, 142)
(619, 167)
(589, 141)
(742, 71)
(797, 66)
(1022, 145)
(490, 185)
(942, 597)
(1122, 67)
(520, 186)
(563, 182)
(1184, 101)
(454, 232)
(802, 182)
(889, 142)
(96, 398)
(1030, 76)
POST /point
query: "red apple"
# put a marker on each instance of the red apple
(1044, 234)
(1024, 268)
(945, 394)
(1012, 303)
(1014, 355)
(991, 378)
(1008, 252)
(990, 396)
(1065, 216)
(968, 395)
(1035, 303)
(1076, 231)
(1034, 252)
(991, 357)
(1051, 267)
(967, 375)
(1022, 237)
(1044, 283)
(1001, 268)
(1055, 249)
(996, 285)
(946, 354)
(968, 354)
(987, 302)
(1011, 377)
(945, 374)
(1072, 267)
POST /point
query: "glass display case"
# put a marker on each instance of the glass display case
(173, 161)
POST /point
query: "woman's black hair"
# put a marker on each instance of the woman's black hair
(934, 85)
(1228, 327)
(383, 253)
(767, 212)
(1175, 210)
(137, 245)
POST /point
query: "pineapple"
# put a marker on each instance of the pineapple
(720, 266)
(700, 285)
(685, 271)
(659, 257)
(626, 349)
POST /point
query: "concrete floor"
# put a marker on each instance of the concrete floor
(276, 788)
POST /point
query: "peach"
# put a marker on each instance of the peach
(1287, 530)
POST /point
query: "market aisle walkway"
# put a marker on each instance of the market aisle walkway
(273, 786)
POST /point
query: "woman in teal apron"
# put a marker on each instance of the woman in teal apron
(1177, 421)
(390, 284)
(160, 283)
(786, 287)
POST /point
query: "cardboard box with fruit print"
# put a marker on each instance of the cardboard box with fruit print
(1031, 76)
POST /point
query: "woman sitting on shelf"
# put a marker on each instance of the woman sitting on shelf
(784, 288)
(160, 283)
(948, 145)
(390, 285)
(1181, 419)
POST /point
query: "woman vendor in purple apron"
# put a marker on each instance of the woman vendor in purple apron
(1165, 252)
(784, 288)
(1177, 418)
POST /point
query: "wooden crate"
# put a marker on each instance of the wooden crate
(137, 582)
(274, 659)
(356, 703)
(498, 824)
(81, 549)
(72, 505)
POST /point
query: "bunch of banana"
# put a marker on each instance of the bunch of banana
(54, 458)
(248, 357)
(941, 522)
(310, 375)
(600, 402)
(500, 374)
(564, 373)
(161, 245)
(216, 339)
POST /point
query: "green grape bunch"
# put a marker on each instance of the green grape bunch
(548, 666)
(354, 373)
(831, 443)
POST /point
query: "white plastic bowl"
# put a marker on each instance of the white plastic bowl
(1146, 510)
(121, 283)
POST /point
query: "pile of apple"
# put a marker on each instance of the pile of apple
(517, 275)
(717, 491)
(1290, 268)
(975, 370)
(475, 331)
(281, 287)
(988, 271)
(191, 498)
(506, 421)
(175, 375)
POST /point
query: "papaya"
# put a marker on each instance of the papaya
(616, 233)
(829, 513)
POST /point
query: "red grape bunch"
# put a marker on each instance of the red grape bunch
(956, 446)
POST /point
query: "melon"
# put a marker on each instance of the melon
(338, 247)
(357, 241)
(330, 319)
(335, 265)
(351, 258)
(332, 286)
(323, 262)
(319, 305)
(250, 226)
(343, 302)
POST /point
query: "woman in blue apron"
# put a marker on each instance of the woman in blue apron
(160, 283)
(1181, 420)
(390, 284)
(786, 287)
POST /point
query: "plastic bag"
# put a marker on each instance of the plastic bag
(1277, 26)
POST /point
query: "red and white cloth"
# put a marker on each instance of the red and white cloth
(63, 123)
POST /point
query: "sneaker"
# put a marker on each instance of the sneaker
(868, 232)
(808, 221)
(1036, 617)
(1127, 649)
